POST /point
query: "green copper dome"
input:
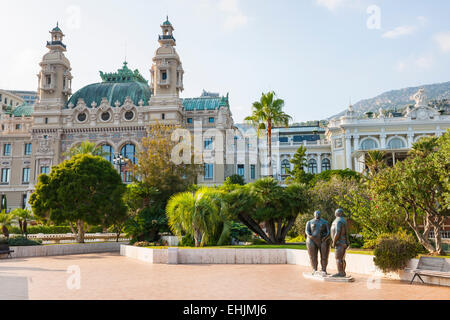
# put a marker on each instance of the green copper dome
(23, 110)
(57, 29)
(115, 87)
(167, 22)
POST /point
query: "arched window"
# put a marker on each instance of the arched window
(369, 144)
(285, 167)
(396, 143)
(129, 151)
(312, 166)
(108, 152)
(326, 165)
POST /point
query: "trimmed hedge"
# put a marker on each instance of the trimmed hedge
(53, 230)
(23, 242)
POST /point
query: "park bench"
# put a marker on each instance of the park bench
(4, 249)
(433, 267)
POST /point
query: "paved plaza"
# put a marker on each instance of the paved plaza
(110, 276)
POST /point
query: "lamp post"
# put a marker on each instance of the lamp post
(120, 161)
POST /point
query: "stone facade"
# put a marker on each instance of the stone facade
(114, 114)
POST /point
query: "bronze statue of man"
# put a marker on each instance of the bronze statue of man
(340, 239)
(318, 233)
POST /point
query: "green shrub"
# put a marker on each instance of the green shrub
(43, 229)
(394, 251)
(147, 225)
(240, 232)
(258, 241)
(235, 179)
(23, 242)
(187, 241)
(95, 229)
(329, 174)
(356, 241)
(142, 244)
(299, 239)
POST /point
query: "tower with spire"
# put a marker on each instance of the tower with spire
(167, 74)
(167, 70)
(55, 78)
(54, 89)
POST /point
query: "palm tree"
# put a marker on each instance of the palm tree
(23, 216)
(267, 113)
(196, 214)
(375, 162)
(6, 222)
(86, 147)
(424, 146)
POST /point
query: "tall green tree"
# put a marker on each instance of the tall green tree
(266, 208)
(146, 209)
(267, 113)
(155, 167)
(86, 147)
(441, 161)
(298, 174)
(84, 190)
(416, 189)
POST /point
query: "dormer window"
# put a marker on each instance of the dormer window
(48, 80)
(164, 75)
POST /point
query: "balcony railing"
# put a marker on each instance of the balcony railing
(166, 37)
(56, 43)
(302, 143)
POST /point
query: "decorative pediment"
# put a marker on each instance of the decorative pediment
(422, 113)
(104, 105)
(81, 105)
(128, 104)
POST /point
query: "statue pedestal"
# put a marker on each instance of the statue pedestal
(319, 276)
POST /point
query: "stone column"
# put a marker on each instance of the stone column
(438, 132)
(348, 152)
(356, 142)
(319, 163)
(410, 140)
(383, 140)
(278, 173)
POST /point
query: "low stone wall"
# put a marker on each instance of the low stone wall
(65, 249)
(356, 263)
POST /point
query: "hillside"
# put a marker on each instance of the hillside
(399, 99)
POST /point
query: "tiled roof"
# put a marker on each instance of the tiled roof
(23, 110)
(205, 103)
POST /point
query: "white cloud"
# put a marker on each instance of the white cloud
(443, 40)
(234, 17)
(422, 20)
(414, 63)
(228, 11)
(331, 4)
(399, 31)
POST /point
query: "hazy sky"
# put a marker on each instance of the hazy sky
(315, 54)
